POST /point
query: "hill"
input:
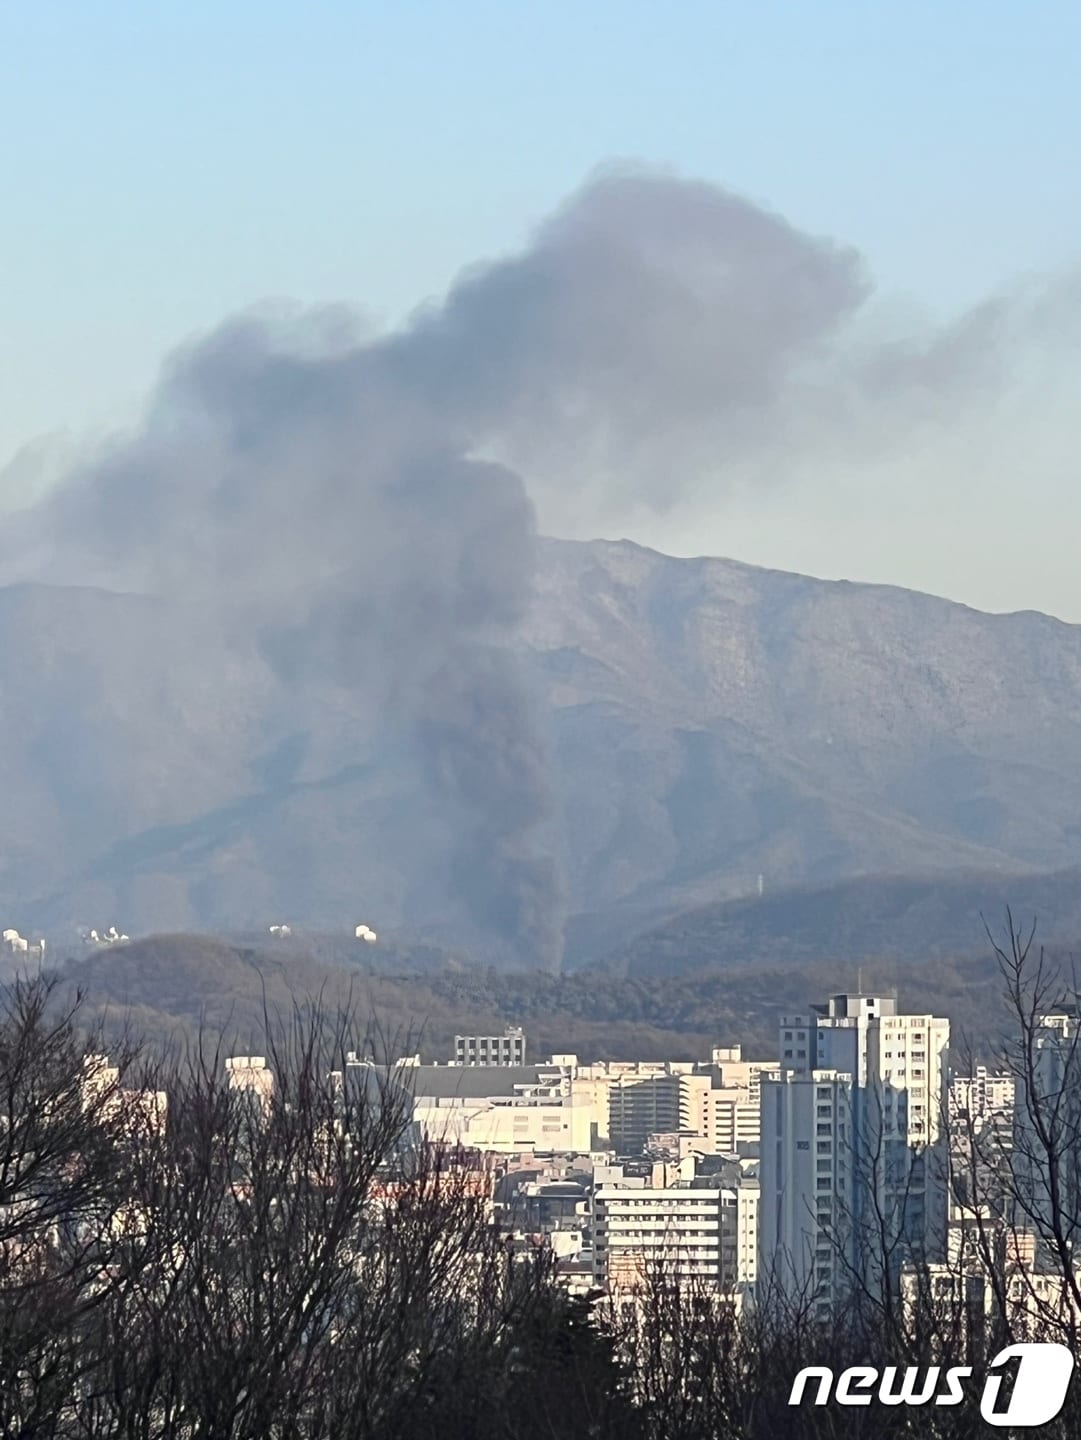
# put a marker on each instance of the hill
(170, 989)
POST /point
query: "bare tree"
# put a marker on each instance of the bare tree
(66, 1128)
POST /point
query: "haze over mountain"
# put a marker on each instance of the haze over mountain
(289, 647)
(709, 723)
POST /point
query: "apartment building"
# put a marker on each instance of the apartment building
(141, 1112)
(693, 1221)
(989, 1266)
(853, 1129)
(685, 1233)
(981, 1096)
(748, 1201)
(733, 1119)
(732, 1072)
(805, 1183)
(640, 1105)
(718, 1103)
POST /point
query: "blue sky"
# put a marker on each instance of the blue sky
(166, 164)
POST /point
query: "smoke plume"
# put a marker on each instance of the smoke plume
(359, 499)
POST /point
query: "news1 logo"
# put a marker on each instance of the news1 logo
(1041, 1379)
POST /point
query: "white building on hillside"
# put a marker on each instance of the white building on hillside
(251, 1073)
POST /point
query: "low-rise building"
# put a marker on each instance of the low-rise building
(503, 1109)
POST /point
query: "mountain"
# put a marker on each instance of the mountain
(729, 722)
(710, 723)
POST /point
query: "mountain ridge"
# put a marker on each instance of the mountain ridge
(840, 582)
(709, 721)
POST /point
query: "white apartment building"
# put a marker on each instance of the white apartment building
(734, 1118)
(142, 1111)
(721, 1117)
(981, 1096)
(731, 1071)
(805, 1182)
(686, 1234)
(748, 1199)
(721, 1102)
(690, 1227)
(853, 1126)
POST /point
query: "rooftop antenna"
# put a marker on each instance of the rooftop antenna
(859, 980)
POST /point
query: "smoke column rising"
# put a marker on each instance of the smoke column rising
(361, 497)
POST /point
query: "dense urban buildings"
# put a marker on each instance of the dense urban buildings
(844, 1164)
(738, 1174)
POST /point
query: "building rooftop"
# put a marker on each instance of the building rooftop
(476, 1082)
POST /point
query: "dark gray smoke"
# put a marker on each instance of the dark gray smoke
(337, 491)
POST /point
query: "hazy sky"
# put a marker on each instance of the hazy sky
(166, 165)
